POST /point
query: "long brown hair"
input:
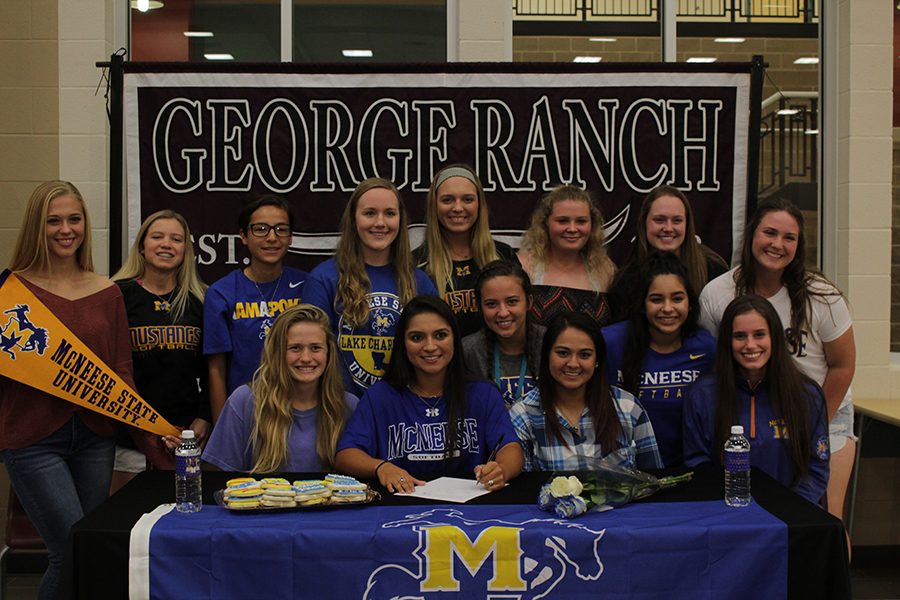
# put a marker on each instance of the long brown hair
(788, 386)
(400, 372)
(692, 254)
(598, 398)
(353, 282)
(803, 283)
(637, 343)
(506, 268)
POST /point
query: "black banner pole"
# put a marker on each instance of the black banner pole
(757, 72)
(116, 154)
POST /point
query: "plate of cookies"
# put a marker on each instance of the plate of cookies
(277, 493)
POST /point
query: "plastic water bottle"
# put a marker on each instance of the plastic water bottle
(737, 468)
(188, 491)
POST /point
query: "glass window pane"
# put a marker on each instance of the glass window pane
(399, 32)
(195, 30)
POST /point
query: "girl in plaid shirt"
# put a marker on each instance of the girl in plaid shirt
(575, 420)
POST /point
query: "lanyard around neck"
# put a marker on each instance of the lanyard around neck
(523, 366)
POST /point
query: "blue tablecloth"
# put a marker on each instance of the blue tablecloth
(645, 550)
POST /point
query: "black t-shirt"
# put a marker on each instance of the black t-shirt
(169, 367)
(461, 299)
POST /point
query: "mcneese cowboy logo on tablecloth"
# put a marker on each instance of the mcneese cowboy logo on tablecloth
(38, 350)
(495, 555)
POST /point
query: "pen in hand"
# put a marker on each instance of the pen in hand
(492, 455)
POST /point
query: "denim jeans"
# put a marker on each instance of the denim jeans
(58, 480)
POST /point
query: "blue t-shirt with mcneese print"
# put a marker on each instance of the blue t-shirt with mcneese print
(365, 350)
(410, 431)
(665, 379)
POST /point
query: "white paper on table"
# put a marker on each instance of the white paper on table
(449, 489)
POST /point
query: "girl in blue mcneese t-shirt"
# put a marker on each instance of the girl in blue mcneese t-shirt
(424, 420)
(367, 283)
(661, 351)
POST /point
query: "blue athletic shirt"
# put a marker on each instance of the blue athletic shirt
(237, 316)
(365, 350)
(664, 381)
(393, 425)
(769, 450)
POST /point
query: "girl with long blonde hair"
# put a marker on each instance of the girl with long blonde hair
(164, 302)
(59, 456)
(369, 280)
(458, 241)
(291, 416)
(564, 254)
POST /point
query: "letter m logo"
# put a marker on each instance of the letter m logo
(501, 544)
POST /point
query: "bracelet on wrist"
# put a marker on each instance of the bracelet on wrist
(381, 464)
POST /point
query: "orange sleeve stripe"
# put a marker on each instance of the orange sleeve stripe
(752, 416)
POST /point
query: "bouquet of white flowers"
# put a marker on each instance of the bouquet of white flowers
(606, 487)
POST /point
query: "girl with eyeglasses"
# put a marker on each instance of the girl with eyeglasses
(242, 306)
(365, 286)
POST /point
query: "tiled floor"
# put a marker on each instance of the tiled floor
(876, 573)
(22, 587)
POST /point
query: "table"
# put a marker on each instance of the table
(817, 567)
(881, 409)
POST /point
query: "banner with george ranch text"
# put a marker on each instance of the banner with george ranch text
(38, 350)
(202, 139)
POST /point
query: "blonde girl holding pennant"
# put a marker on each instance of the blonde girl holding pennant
(164, 302)
(59, 456)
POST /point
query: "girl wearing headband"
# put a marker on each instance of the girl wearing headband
(458, 241)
